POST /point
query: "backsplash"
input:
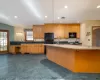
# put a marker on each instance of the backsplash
(69, 40)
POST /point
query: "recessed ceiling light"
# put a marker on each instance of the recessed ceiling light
(58, 17)
(15, 17)
(98, 6)
(66, 6)
(46, 16)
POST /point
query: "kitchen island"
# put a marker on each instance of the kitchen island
(76, 58)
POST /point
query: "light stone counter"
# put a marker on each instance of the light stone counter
(73, 46)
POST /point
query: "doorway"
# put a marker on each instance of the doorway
(4, 41)
(96, 36)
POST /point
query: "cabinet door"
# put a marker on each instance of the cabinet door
(37, 48)
(31, 48)
(23, 48)
(28, 48)
(66, 31)
(34, 48)
(34, 32)
(38, 32)
(41, 48)
(12, 50)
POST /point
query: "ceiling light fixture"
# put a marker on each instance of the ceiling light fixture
(46, 16)
(98, 6)
(66, 6)
(15, 17)
(58, 17)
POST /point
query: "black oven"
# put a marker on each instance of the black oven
(48, 39)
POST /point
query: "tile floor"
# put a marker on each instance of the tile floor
(36, 67)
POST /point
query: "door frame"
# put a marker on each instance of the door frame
(1, 30)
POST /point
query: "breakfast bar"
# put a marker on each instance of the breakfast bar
(77, 58)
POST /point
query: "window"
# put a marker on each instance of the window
(28, 35)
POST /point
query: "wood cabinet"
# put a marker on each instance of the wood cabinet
(59, 30)
(32, 48)
(72, 28)
(38, 32)
(49, 28)
(14, 49)
(35, 48)
(83, 60)
(41, 48)
(27, 48)
(23, 48)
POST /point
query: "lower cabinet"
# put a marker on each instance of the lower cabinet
(32, 48)
(14, 49)
(23, 48)
(27, 48)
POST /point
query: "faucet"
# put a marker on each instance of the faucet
(58, 41)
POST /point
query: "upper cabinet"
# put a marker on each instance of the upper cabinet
(59, 30)
(38, 31)
(72, 28)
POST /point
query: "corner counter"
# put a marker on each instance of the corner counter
(76, 58)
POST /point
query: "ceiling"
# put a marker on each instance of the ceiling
(33, 12)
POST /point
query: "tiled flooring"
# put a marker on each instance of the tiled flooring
(36, 67)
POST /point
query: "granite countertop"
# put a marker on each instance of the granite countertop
(78, 47)
(42, 42)
(23, 42)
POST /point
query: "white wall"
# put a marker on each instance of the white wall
(19, 34)
(82, 32)
(86, 26)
